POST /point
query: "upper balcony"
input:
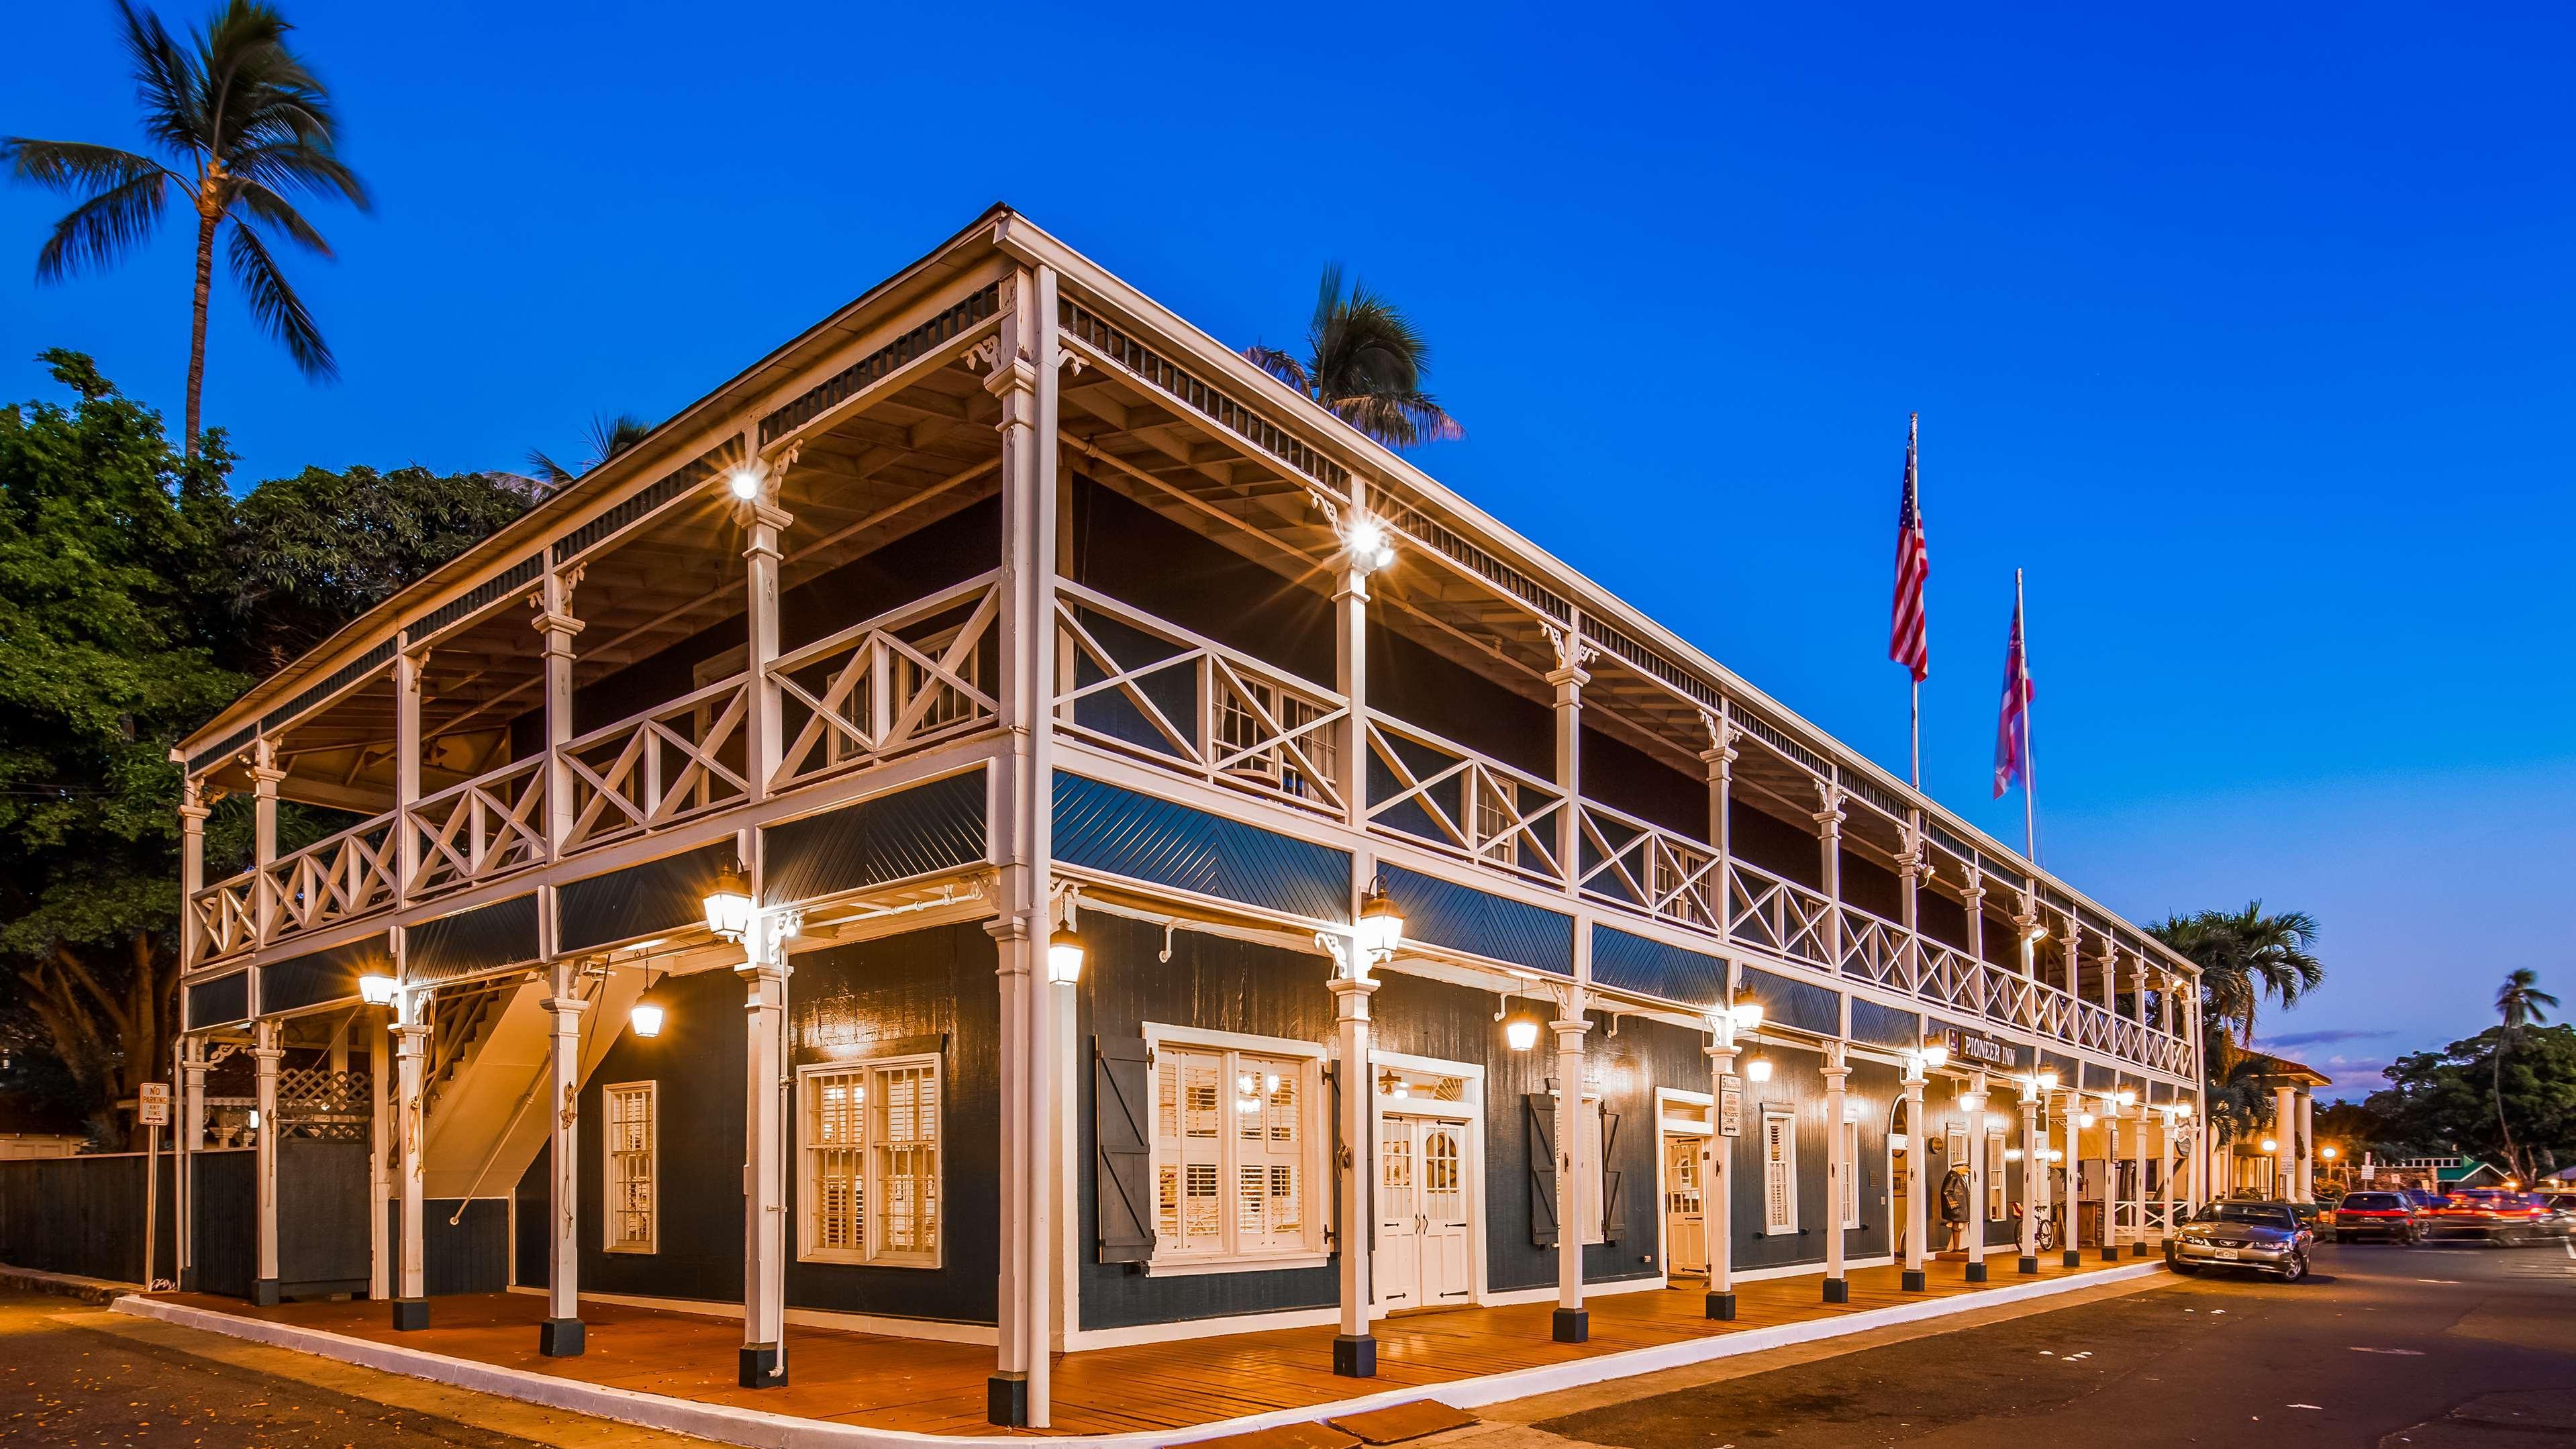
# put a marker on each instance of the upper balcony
(587, 682)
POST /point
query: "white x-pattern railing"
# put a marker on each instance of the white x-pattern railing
(910, 678)
(490, 825)
(669, 763)
(1648, 868)
(1789, 920)
(1464, 802)
(227, 916)
(351, 874)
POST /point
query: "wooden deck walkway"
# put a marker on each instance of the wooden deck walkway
(938, 1388)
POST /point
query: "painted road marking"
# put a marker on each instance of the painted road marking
(2320, 1408)
(2404, 1352)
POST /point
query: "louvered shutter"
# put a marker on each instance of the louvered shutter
(1539, 1110)
(1270, 1149)
(1614, 1202)
(1779, 1202)
(1123, 1186)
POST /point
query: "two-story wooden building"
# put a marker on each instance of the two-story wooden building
(1003, 824)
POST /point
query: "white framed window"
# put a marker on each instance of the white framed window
(1238, 1150)
(1779, 1168)
(1848, 1141)
(632, 1220)
(1997, 1208)
(870, 1148)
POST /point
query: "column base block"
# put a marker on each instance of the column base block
(187, 1280)
(2110, 1252)
(761, 1366)
(2028, 1267)
(560, 1338)
(411, 1315)
(1006, 1400)
(1355, 1356)
(1977, 1271)
(263, 1293)
(1721, 1306)
(1837, 1290)
(2137, 1250)
(1911, 1280)
(1571, 1325)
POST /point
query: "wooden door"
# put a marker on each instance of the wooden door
(1396, 1263)
(1685, 1208)
(1440, 1159)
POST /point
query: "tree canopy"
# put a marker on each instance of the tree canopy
(2446, 1101)
(137, 597)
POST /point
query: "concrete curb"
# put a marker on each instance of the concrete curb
(69, 1285)
(760, 1429)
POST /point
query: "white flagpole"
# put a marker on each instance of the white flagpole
(2029, 766)
(1914, 479)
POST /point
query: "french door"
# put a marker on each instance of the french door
(1685, 1206)
(1422, 1212)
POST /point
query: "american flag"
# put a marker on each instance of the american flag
(1906, 641)
(2012, 727)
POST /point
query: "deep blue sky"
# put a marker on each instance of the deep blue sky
(2250, 336)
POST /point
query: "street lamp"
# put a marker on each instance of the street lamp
(1381, 924)
(2270, 1146)
(646, 1019)
(1758, 1070)
(1064, 955)
(377, 990)
(1371, 550)
(1521, 1033)
(1747, 1015)
(2048, 1079)
(728, 904)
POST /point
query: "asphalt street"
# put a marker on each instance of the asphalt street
(2431, 1347)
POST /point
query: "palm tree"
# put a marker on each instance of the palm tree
(606, 437)
(2519, 1002)
(2245, 956)
(244, 125)
(1365, 364)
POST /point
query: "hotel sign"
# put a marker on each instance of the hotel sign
(1730, 1106)
(1977, 1049)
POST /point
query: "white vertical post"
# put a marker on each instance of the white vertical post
(1837, 1171)
(1974, 1238)
(190, 1135)
(1350, 676)
(380, 1141)
(2285, 1143)
(412, 1010)
(2110, 1179)
(408, 668)
(2307, 1145)
(1354, 1347)
(265, 1054)
(1568, 679)
(1572, 1323)
(1829, 845)
(561, 1335)
(557, 627)
(762, 1363)
(192, 871)
(1918, 1143)
(2034, 1174)
(1717, 1185)
(264, 778)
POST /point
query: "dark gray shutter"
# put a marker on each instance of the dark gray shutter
(1122, 1129)
(1614, 1201)
(1540, 1110)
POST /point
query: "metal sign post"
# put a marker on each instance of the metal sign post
(152, 1109)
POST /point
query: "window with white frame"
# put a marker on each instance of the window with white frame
(633, 1145)
(1779, 1168)
(1237, 1154)
(870, 1144)
(1997, 1209)
(1848, 1139)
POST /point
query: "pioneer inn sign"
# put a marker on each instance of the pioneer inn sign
(1002, 825)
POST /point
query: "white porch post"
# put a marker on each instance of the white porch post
(380, 1146)
(763, 1361)
(2069, 1252)
(1918, 1142)
(264, 778)
(411, 1045)
(2285, 1143)
(1837, 1171)
(1568, 679)
(1354, 1348)
(408, 668)
(1350, 676)
(191, 1136)
(1829, 848)
(2110, 1179)
(1026, 363)
(192, 871)
(1717, 1185)
(266, 1052)
(1572, 1322)
(1972, 1106)
(2307, 1145)
(2138, 1183)
(2034, 1175)
(560, 1336)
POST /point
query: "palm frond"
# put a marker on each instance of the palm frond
(295, 165)
(547, 471)
(274, 212)
(610, 436)
(167, 82)
(274, 305)
(1367, 365)
(1281, 365)
(126, 194)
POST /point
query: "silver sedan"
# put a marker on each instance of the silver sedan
(2263, 1236)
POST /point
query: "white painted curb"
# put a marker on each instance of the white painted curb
(763, 1430)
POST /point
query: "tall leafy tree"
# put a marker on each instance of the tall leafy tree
(1365, 362)
(2519, 1001)
(2477, 1095)
(110, 546)
(244, 126)
(2247, 957)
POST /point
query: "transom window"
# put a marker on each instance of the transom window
(870, 1136)
(1236, 1154)
(632, 1143)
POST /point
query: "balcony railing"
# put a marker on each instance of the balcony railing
(670, 763)
(905, 680)
(491, 825)
(1455, 800)
(352, 874)
(1647, 868)
(1784, 919)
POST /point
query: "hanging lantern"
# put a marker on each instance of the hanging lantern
(1758, 1070)
(1521, 1033)
(1064, 956)
(728, 904)
(645, 1019)
(1381, 925)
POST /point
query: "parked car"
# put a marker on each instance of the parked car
(2316, 1218)
(2390, 1216)
(2496, 1215)
(2266, 1237)
(2561, 1200)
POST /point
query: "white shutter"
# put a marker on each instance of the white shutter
(1850, 1146)
(1189, 1148)
(835, 1170)
(1588, 1182)
(1270, 1151)
(1997, 1208)
(1779, 1171)
(904, 1153)
(632, 1143)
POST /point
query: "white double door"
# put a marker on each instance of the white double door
(1423, 1207)
(1685, 1204)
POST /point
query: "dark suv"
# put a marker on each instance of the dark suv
(2367, 1214)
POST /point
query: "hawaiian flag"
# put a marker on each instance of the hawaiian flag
(1906, 641)
(2012, 728)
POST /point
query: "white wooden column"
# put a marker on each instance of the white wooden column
(1829, 845)
(2285, 1142)
(1568, 679)
(380, 1146)
(265, 1053)
(1974, 1238)
(2110, 1179)
(410, 1032)
(409, 665)
(762, 1363)
(1354, 1348)
(1837, 1172)
(192, 871)
(2034, 1176)
(1918, 1145)
(557, 628)
(1350, 676)
(1717, 1184)
(1972, 898)
(1572, 1323)
(191, 1137)
(2307, 1155)
(264, 778)
(561, 1335)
